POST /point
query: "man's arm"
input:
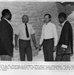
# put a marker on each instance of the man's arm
(71, 39)
(55, 37)
(34, 40)
(16, 37)
(41, 39)
(6, 39)
(16, 41)
(66, 36)
(33, 36)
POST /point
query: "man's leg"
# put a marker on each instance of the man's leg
(28, 50)
(29, 53)
(48, 49)
(58, 58)
(50, 54)
(59, 55)
(45, 53)
(6, 58)
(22, 50)
(66, 58)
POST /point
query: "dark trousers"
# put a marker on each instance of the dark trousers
(6, 58)
(25, 48)
(62, 55)
(62, 58)
(48, 45)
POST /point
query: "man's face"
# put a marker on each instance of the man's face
(25, 19)
(46, 19)
(9, 16)
(61, 20)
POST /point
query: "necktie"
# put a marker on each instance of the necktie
(27, 33)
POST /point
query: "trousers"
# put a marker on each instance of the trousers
(62, 58)
(5, 58)
(25, 48)
(48, 45)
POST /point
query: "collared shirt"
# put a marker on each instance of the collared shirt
(64, 23)
(49, 31)
(21, 31)
(7, 21)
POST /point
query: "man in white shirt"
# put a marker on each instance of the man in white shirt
(49, 38)
(25, 32)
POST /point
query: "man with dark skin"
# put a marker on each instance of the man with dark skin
(6, 36)
(65, 44)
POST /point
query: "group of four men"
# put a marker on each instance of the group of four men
(49, 38)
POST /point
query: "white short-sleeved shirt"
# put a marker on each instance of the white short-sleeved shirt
(49, 31)
(21, 32)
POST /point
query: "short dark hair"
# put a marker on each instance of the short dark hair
(62, 14)
(5, 12)
(25, 15)
(48, 15)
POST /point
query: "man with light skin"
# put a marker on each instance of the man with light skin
(49, 38)
(25, 32)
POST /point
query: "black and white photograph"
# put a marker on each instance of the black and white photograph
(37, 32)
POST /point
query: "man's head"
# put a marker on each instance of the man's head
(62, 17)
(6, 14)
(25, 18)
(47, 18)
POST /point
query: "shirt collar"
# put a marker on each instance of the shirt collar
(47, 23)
(64, 23)
(24, 24)
(7, 20)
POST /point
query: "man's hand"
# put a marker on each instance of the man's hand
(34, 40)
(16, 47)
(36, 47)
(64, 46)
(16, 39)
(54, 49)
(71, 54)
(39, 47)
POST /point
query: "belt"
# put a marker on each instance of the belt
(23, 40)
(48, 39)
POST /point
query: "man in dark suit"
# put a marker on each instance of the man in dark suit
(6, 36)
(65, 44)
